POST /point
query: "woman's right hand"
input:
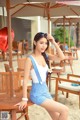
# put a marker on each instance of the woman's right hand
(21, 105)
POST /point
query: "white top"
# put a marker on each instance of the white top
(42, 71)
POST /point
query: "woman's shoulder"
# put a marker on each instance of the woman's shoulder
(28, 62)
(29, 57)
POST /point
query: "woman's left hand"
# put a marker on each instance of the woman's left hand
(51, 38)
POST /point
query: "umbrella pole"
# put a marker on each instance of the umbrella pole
(49, 49)
(49, 25)
(10, 45)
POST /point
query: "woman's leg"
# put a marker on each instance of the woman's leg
(56, 110)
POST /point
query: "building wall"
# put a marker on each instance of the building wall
(44, 25)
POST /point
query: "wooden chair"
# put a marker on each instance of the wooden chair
(19, 51)
(7, 67)
(67, 86)
(64, 63)
(6, 102)
(21, 63)
(68, 61)
(5, 82)
(74, 51)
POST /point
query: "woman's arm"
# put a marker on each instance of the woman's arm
(59, 54)
(27, 69)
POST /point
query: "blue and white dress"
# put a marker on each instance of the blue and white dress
(39, 92)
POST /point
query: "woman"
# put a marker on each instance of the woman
(39, 92)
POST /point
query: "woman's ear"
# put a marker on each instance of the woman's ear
(34, 43)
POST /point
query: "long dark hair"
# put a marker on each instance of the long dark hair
(37, 37)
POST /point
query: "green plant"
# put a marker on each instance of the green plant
(59, 34)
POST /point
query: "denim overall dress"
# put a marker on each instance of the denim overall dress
(39, 92)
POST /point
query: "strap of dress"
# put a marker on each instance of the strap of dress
(36, 69)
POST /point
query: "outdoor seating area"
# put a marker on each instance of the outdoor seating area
(56, 77)
(47, 27)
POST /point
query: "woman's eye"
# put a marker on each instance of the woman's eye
(43, 43)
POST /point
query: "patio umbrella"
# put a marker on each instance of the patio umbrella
(15, 2)
(48, 10)
(45, 9)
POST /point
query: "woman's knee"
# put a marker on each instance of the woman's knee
(65, 109)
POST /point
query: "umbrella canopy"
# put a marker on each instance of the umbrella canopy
(48, 10)
(45, 9)
(15, 2)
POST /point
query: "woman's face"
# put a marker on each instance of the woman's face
(41, 45)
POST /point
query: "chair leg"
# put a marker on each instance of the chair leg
(56, 94)
(67, 94)
(13, 115)
(26, 115)
(71, 67)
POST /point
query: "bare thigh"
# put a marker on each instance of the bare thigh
(52, 106)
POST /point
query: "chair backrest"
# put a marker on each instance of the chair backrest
(21, 63)
(20, 47)
(14, 45)
(5, 82)
(7, 67)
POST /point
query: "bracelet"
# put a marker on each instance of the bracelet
(25, 99)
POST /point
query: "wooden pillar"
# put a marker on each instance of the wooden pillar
(64, 29)
(79, 36)
(77, 33)
(69, 34)
(9, 45)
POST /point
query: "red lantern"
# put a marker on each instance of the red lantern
(4, 38)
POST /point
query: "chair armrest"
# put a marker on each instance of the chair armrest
(20, 69)
(72, 75)
(67, 80)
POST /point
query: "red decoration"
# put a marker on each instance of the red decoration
(4, 38)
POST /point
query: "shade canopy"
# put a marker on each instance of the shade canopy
(45, 9)
(15, 2)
